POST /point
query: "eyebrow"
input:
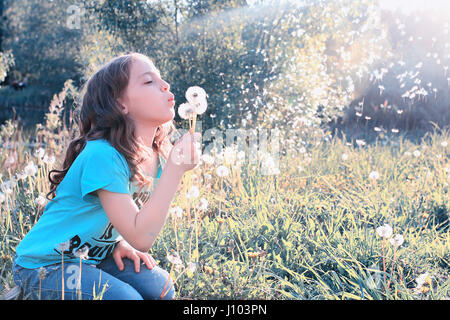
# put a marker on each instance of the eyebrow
(150, 73)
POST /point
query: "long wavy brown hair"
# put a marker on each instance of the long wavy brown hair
(100, 116)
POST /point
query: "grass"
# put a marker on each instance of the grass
(306, 233)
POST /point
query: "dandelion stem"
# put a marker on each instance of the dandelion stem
(384, 264)
(392, 271)
(62, 270)
(164, 293)
(175, 232)
(79, 283)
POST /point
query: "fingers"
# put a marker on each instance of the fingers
(187, 150)
(147, 259)
(137, 263)
(118, 261)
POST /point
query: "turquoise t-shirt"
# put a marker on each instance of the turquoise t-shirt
(76, 217)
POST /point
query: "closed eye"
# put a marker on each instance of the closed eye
(149, 82)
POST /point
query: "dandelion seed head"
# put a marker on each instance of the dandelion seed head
(40, 200)
(64, 246)
(397, 240)
(31, 169)
(42, 273)
(82, 253)
(222, 171)
(374, 175)
(384, 231)
(174, 258)
(193, 193)
(203, 204)
(176, 212)
(192, 266)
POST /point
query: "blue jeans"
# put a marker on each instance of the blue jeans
(103, 281)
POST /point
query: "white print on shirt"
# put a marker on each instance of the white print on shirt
(99, 249)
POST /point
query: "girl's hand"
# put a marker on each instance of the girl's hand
(124, 250)
(186, 152)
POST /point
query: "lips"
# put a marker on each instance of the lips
(172, 98)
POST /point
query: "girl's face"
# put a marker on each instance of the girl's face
(147, 98)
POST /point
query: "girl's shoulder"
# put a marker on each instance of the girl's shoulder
(99, 146)
(102, 149)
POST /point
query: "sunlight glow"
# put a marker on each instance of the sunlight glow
(408, 6)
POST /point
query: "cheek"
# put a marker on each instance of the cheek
(141, 99)
(145, 103)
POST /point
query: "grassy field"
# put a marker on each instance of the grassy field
(309, 232)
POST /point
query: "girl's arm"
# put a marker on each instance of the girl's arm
(140, 228)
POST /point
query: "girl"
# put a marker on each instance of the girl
(125, 122)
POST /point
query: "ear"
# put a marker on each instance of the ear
(123, 106)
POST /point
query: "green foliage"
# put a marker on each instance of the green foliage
(269, 64)
(6, 62)
(43, 46)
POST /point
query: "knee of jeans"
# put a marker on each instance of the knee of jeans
(124, 292)
(168, 292)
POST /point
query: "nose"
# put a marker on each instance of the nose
(165, 87)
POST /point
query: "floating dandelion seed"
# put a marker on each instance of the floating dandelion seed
(360, 142)
(395, 130)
